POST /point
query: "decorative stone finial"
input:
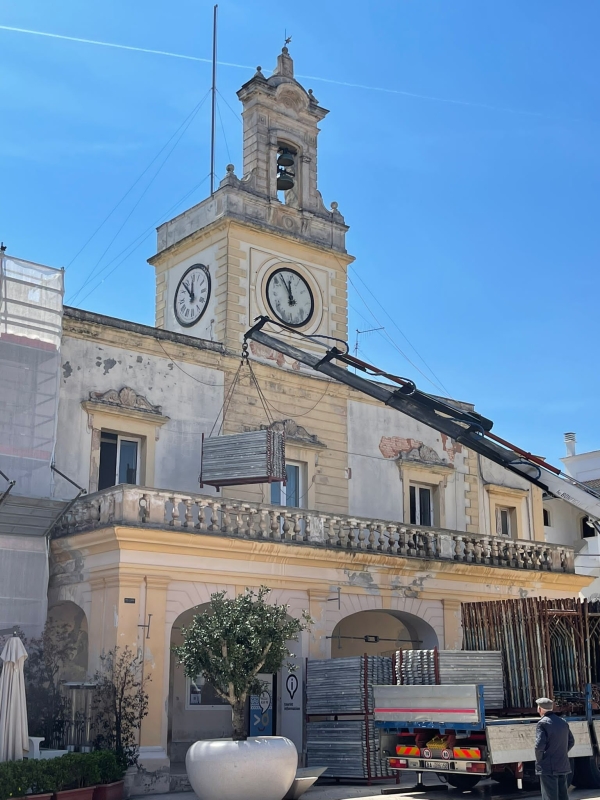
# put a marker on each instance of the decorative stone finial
(285, 65)
(258, 74)
(230, 169)
(334, 206)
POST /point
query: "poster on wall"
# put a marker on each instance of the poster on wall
(261, 708)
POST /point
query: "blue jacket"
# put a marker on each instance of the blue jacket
(553, 741)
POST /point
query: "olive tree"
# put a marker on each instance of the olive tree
(235, 639)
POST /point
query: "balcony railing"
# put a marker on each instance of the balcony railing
(214, 516)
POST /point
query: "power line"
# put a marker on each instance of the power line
(386, 335)
(133, 185)
(235, 113)
(224, 134)
(204, 383)
(138, 241)
(400, 331)
(188, 122)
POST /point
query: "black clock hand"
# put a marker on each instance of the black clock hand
(288, 286)
(192, 292)
(187, 288)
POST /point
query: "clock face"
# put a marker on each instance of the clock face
(192, 295)
(290, 297)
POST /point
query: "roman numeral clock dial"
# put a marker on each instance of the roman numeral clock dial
(290, 297)
(192, 295)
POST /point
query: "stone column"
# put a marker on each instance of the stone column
(319, 646)
(114, 611)
(452, 625)
(153, 734)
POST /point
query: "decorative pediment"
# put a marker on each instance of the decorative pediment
(295, 433)
(125, 398)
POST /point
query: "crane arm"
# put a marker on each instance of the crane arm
(466, 427)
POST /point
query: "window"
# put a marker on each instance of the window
(503, 521)
(587, 528)
(119, 460)
(201, 695)
(293, 494)
(421, 505)
(547, 523)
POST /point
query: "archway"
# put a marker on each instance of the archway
(67, 624)
(194, 711)
(381, 632)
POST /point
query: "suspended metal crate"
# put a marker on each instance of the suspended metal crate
(243, 458)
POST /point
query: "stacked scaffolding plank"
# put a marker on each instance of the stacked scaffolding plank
(543, 644)
(341, 689)
(453, 667)
(243, 458)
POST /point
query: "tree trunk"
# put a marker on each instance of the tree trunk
(239, 721)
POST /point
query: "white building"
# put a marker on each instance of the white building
(564, 524)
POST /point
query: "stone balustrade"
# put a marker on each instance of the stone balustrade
(210, 515)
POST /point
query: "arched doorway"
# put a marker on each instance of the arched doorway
(195, 712)
(380, 632)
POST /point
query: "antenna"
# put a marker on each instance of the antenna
(359, 333)
(214, 103)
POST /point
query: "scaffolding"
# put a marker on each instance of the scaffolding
(31, 298)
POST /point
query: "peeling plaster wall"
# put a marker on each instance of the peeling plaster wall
(192, 401)
(375, 488)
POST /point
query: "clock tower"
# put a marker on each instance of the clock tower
(263, 243)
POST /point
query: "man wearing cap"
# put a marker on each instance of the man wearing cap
(553, 741)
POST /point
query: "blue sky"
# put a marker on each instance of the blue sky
(467, 166)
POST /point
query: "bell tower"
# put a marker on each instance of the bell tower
(280, 137)
(263, 243)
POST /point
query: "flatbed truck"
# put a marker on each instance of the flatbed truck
(445, 730)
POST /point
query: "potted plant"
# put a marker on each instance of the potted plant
(73, 776)
(229, 645)
(112, 769)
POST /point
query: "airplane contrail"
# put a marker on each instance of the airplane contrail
(306, 77)
(120, 46)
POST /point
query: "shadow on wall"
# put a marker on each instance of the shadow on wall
(73, 617)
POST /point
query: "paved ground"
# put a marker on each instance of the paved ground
(329, 791)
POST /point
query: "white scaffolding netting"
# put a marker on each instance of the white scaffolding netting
(31, 304)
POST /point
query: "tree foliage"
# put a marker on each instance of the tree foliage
(119, 703)
(234, 640)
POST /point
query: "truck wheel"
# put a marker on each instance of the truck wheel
(506, 780)
(587, 773)
(459, 781)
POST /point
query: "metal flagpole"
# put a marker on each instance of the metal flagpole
(214, 103)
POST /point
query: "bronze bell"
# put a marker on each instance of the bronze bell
(286, 159)
(285, 181)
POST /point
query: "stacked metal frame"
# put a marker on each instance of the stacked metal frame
(243, 458)
(453, 667)
(543, 644)
(344, 739)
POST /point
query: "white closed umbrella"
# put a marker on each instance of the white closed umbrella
(14, 734)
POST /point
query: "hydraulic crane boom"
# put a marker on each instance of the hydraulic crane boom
(466, 427)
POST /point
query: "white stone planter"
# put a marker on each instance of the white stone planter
(259, 768)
